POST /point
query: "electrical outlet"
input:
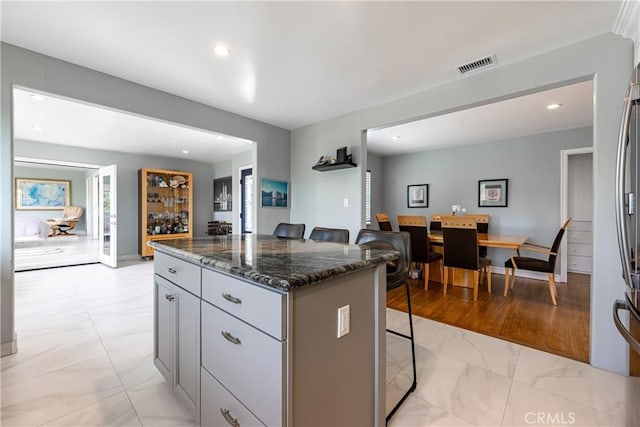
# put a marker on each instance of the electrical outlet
(344, 318)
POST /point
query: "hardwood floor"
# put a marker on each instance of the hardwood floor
(526, 316)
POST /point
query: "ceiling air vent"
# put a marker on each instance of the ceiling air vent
(478, 64)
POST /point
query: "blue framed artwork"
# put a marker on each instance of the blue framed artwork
(274, 194)
(42, 194)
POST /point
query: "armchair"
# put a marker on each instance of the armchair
(70, 217)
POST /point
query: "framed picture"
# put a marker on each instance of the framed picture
(418, 196)
(42, 194)
(274, 194)
(493, 193)
(222, 194)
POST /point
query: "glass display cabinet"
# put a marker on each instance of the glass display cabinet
(166, 206)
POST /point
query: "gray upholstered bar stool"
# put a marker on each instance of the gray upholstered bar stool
(338, 235)
(289, 231)
(397, 275)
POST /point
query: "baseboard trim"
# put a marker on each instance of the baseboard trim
(11, 347)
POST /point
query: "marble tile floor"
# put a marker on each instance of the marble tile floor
(85, 359)
(56, 251)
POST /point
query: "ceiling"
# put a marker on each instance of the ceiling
(61, 121)
(296, 63)
(512, 118)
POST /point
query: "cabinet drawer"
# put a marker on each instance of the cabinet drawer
(580, 249)
(579, 263)
(257, 306)
(579, 236)
(182, 273)
(580, 225)
(251, 368)
(217, 400)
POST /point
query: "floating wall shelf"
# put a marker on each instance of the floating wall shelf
(333, 166)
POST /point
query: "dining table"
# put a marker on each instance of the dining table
(491, 240)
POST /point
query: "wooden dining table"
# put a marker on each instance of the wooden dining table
(491, 240)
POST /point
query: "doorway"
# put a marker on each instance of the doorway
(38, 241)
(246, 200)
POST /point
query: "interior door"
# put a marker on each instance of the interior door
(108, 220)
(246, 211)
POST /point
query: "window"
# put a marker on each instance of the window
(367, 198)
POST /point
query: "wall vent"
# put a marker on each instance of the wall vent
(476, 65)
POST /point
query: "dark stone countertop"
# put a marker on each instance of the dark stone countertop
(281, 264)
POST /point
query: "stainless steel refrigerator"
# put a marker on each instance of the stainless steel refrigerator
(627, 206)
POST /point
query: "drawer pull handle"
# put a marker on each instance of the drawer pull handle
(169, 297)
(230, 338)
(232, 299)
(171, 270)
(227, 416)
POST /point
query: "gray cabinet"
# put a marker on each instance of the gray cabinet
(177, 339)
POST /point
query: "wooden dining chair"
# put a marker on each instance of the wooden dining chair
(482, 221)
(460, 237)
(421, 252)
(536, 264)
(384, 223)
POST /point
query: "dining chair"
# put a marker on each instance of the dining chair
(436, 223)
(396, 277)
(338, 235)
(384, 223)
(482, 220)
(421, 252)
(289, 231)
(536, 264)
(460, 238)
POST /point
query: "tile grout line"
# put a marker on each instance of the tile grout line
(110, 359)
(513, 375)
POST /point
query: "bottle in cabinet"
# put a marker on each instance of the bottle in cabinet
(166, 206)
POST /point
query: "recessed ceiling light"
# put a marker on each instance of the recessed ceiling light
(395, 137)
(38, 97)
(221, 50)
(220, 137)
(185, 151)
(36, 128)
(553, 106)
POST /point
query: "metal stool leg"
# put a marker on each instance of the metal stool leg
(413, 355)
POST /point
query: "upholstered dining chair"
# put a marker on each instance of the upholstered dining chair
(396, 277)
(421, 252)
(536, 264)
(338, 235)
(384, 223)
(460, 237)
(482, 221)
(289, 231)
(70, 217)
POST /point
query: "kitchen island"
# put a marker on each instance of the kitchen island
(257, 330)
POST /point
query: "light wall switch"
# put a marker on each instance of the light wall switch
(346, 202)
(344, 318)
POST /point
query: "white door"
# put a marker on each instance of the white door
(108, 220)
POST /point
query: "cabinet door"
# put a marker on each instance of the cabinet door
(163, 326)
(187, 343)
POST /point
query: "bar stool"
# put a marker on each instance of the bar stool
(338, 235)
(397, 275)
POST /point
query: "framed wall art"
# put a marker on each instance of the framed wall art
(418, 196)
(274, 194)
(222, 199)
(42, 194)
(493, 193)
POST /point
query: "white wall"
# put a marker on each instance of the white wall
(23, 68)
(608, 59)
